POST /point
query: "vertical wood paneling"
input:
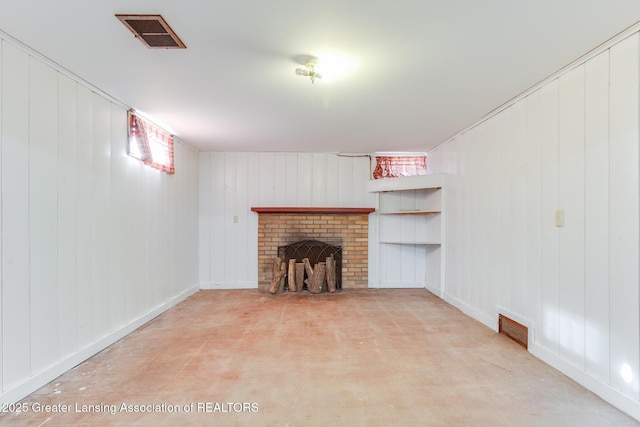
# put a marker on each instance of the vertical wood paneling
(407, 270)
(597, 216)
(289, 184)
(1, 210)
(319, 179)
(84, 209)
(180, 196)
(91, 240)
(518, 208)
(304, 178)
(453, 232)
(505, 242)
(548, 332)
(15, 216)
(217, 198)
(230, 246)
(194, 236)
(624, 204)
(161, 284)
(267, 179)
(188, 188)
(67, 215)
(253, 199)
(170, 238)
(534, 143)
(492, 220)
(241, 210)
(571, 201)
(433, 268)
(152, 217)
(137, 245)
(162, 236)
(391, 273)
(333, 180)
(204, 219)
(43, 214)
(167, 239)
(465, 200)
(100, 214)
(120, 219)
(280, 180)
(469, 200)
(481, 232)
(360, 178)
(573, 146)
(144, 257)
(420, 266)
(345, 181)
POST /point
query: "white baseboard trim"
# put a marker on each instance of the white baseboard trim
(616, 398)
(44, 377)
(234, 285)
(472, 312)
(436, 291)
(401, 285)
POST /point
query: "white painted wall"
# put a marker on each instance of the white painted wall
(232, 183)
(93, 243)
(570, 145)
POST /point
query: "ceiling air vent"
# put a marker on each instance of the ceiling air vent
(153, 31)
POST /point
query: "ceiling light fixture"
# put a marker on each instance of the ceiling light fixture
(309, 70)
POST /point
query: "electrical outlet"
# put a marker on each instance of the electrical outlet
(559, 218)
(235, 219)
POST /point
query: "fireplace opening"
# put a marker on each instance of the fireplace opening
(316, 252)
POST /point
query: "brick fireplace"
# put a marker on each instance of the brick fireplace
(347, 227)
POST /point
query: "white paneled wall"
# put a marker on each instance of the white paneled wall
(232, 183)
(570, 146)
(93, 243)
(624, 215)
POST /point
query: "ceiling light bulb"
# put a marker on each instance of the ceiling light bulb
(309, 70)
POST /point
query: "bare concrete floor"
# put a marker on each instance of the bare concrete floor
(357, 358)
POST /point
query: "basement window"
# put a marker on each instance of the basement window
(393, 166)
(150, 144)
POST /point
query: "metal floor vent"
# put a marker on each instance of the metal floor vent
(514, 330)
(153, 31)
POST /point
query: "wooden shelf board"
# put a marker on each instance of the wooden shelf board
(309, 210)
(406, 183)
(389, 242)
(410, 213)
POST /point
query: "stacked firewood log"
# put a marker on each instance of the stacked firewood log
(298, 275)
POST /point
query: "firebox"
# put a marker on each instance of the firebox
(314, 250)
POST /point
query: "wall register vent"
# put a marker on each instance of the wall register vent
(514, 330)
(153, 31)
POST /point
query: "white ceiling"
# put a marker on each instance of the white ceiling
(422, 70)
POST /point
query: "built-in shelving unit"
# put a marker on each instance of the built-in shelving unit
(410, 238)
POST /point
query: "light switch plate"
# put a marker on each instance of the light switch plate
(559, 218)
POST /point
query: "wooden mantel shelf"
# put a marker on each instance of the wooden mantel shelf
(311, 210)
